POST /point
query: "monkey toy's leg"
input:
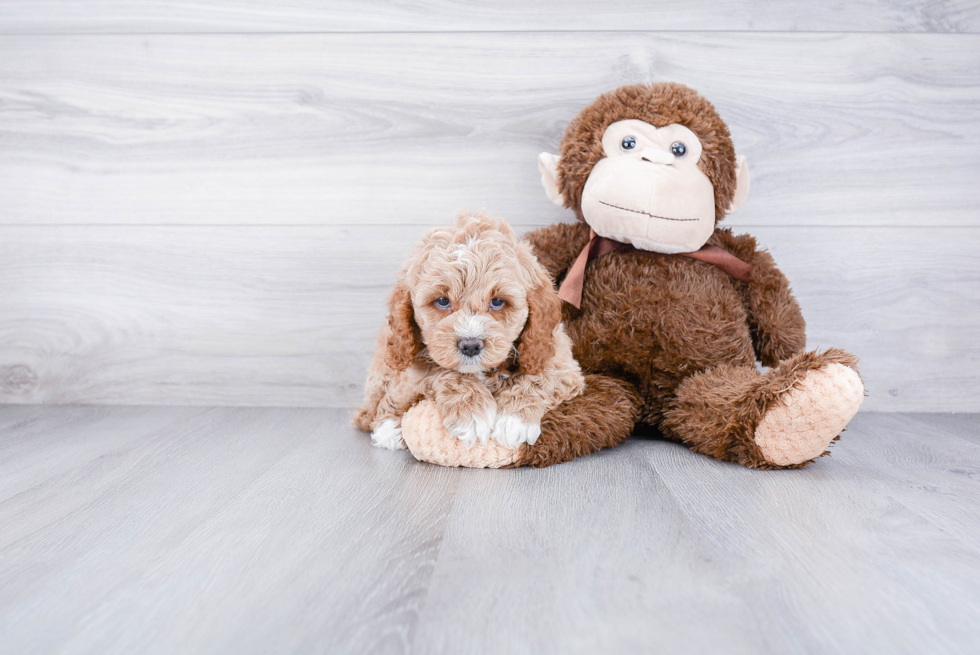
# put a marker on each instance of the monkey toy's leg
(603, 416)
(783, 418)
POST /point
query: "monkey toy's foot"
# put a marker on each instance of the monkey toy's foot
(805, 419)
(781, 418)
(429, 441)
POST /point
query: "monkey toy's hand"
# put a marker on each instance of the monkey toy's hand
(429, 441)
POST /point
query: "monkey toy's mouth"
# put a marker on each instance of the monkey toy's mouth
(637, 211)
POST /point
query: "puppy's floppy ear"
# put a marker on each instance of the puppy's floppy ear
(537, 346)
(404, 340)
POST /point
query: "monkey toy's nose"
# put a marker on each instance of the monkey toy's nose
(470, 347)
(656, 156)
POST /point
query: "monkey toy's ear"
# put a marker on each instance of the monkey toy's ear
(548, 165)
(741, 184)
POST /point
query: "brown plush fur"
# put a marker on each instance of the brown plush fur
(680, 336)
(602, 417)
(655, 319)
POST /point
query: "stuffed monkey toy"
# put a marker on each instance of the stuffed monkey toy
(668, 313)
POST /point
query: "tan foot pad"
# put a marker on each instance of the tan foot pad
(810, 415)
(429, 441)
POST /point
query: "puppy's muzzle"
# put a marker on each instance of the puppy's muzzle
(470, 347)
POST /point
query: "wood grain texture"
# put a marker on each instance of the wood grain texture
(287, 316)
(203, 530)
(860, 129)
(103, 16)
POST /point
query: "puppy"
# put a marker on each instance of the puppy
(475, 326)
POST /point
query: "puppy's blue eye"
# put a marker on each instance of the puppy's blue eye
(497, 303)
(442, 302)
(628, 143)
(678, 149)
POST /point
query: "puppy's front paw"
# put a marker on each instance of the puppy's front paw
(388, 435)
(470, 429)
(511, 431)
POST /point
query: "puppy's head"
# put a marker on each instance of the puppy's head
(472, 295)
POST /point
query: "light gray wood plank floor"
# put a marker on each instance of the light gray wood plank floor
(135, 529)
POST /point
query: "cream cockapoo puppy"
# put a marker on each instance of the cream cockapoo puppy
(475, 327)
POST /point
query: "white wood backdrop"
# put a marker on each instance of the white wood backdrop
(205, 203)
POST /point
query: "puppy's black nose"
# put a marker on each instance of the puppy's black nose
(470, 347)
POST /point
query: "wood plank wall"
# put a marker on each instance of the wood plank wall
(206, 203)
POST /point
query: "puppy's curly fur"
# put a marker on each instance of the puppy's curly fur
(473, 281)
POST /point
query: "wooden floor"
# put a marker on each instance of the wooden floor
(191, 530)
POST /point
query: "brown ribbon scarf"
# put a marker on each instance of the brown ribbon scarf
(571, 288)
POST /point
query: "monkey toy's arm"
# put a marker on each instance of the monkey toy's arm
(778, 328)
(557, 246)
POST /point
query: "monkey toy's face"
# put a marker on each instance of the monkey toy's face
(648, 189)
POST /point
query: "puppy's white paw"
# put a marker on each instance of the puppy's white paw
(471, 429)
(388, 435)
(510, 431)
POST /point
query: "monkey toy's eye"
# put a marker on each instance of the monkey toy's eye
(628, 143)
(442, 302)
(497, 303)
(678, 149)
